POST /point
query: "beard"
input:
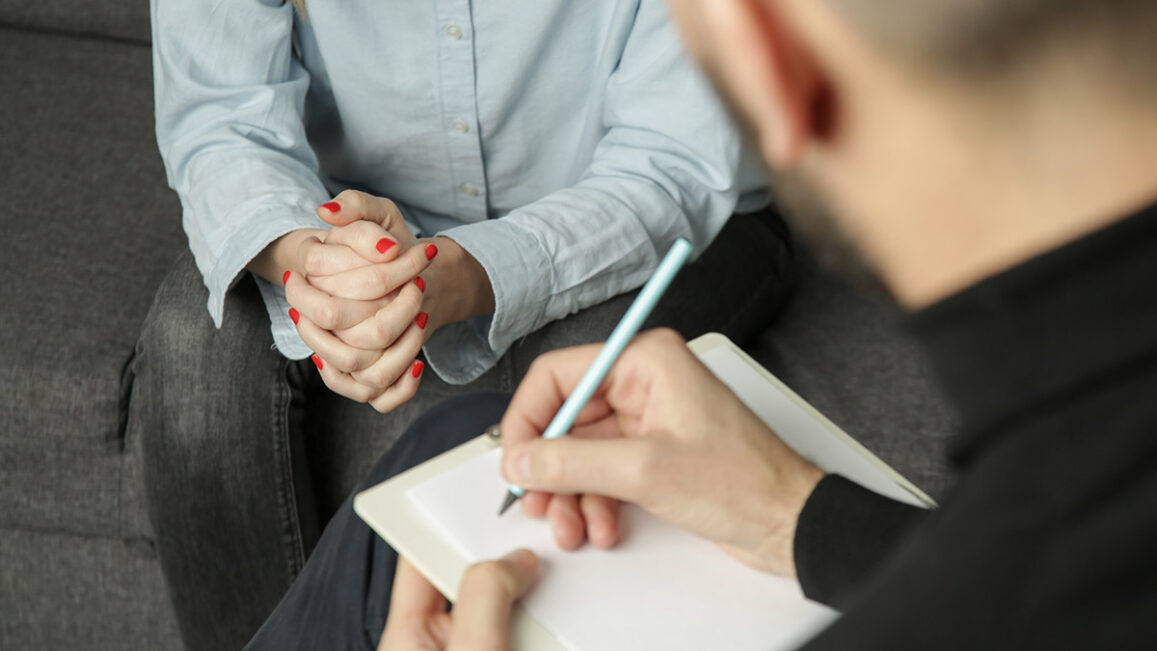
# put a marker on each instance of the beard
(810, 218)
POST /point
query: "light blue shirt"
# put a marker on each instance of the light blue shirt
(565, 144)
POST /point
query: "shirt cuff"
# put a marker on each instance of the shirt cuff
(520, 275)
(242, 246)
(460, 352)
(844, 532)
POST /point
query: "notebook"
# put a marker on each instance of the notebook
(660, 587)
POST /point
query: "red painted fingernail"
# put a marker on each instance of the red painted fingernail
(332, 206)
(431, 251)
(384, 245)
(420, 283)
(417, 369)
(295, 315)
(285, 278)
(317, 362)
(422, 319)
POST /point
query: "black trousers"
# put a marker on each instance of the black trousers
(341, 598)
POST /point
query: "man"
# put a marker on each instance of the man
(996, 164)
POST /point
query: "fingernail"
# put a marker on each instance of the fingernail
(384, 244)
(519, 465)
(422, 319)
(332, 206)
(416, 370)
(431, 251)
(295, 315)
(420, 283)
(285, 278)
(317, 362)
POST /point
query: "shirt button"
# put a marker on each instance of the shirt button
(454, 32)
(460, 126)
(471, 190)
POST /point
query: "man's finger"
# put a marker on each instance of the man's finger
(485, 596)
(551, 378)
(413, 604)
(412, 594)
(618, 468)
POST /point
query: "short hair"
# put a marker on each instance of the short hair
(981, 39)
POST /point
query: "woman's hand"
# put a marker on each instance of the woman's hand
(481, 616)
(372, 295)
(664, 433)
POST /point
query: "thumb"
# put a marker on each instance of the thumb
(353, 205)
(569, 465)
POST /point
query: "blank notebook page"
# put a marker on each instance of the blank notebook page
(660, 588)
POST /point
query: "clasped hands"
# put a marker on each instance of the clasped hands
(367, 294)
(661, 432)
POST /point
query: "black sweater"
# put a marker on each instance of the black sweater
(1049, 539)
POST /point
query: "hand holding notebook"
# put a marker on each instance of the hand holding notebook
(661, 420)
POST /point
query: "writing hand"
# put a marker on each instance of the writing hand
(664, 433)
(480, 618)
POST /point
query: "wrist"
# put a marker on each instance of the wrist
(458, 287)
(280, 255)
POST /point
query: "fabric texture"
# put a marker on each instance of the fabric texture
(75, 185)
(1047, 540)
(341, 599)
(89, 230)
(122, 20)
(566, 178)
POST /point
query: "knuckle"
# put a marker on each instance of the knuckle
(351, 198)
(665, 337)
(327, 315)
(487, 574)
(549, 466)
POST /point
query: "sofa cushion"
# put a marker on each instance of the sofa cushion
(846, 354)
(89, 229)
(120, 19)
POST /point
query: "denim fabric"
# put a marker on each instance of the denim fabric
(341, 599)
(246, 451)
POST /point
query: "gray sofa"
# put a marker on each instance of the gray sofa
(88, 230)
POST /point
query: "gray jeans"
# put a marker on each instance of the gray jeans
(248, 454)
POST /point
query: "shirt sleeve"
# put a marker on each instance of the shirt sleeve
(670, 165)
(229, 116)
(843, 533)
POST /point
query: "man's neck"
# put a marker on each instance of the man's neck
(1059, 176)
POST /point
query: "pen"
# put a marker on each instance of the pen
(632, 320)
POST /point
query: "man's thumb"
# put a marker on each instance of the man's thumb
(610, 467)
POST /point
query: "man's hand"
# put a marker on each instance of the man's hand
(664, 433)
(481, 616)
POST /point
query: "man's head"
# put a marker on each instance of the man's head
(949, 138)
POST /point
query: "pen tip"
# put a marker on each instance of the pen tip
(511, 498)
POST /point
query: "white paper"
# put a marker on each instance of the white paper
(660, 588)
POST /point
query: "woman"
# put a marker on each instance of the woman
(457, 184)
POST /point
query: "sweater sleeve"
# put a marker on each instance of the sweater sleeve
(843, 533)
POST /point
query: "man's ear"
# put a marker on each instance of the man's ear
(775, 76)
